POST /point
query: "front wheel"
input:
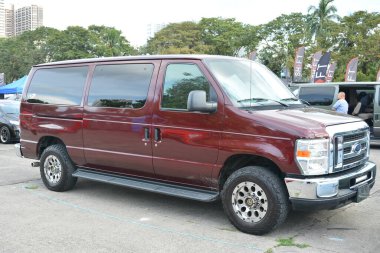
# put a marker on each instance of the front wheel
(5, 135)
(255, 200)
(56, 169)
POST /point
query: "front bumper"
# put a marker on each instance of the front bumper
(331, 191)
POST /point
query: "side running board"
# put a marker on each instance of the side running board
(147, 185)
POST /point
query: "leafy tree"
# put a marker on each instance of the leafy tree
(320, 17)
(279, 40)
(177, 38)
(223, 36)
(109, 42)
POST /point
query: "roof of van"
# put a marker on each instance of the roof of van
(141, 57)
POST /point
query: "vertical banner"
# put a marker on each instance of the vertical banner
(378, 76)
(330, 72)
(351, 70)
(2, 79)
(321, 70)
(316, 57)
(298, 61)
(252, 55)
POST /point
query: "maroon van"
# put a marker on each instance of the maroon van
(197, 127)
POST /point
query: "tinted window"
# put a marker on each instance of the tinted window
(317, 95)
(180, 80)
(58, 86)
(121, 86)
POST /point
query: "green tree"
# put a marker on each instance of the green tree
(177, 38)
(279, 40)
(109, 42)
(359, 37)
(223, 36)
(320, 17)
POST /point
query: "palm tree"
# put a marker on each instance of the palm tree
(320, 16)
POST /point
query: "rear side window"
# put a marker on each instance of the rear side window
(180, 80)
(63, 86)
(317, 95)
(120, 86)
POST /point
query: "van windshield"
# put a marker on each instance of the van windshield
(250, 84)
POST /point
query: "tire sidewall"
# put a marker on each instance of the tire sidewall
(254, 175)
(66, 170)
(8, 133)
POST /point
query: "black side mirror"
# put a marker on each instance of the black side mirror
(196, 101)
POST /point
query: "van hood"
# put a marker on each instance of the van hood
(303, 122)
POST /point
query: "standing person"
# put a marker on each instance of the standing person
(341, 105)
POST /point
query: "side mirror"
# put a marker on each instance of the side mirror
(196, 101)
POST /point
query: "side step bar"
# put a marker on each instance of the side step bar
(147, 185)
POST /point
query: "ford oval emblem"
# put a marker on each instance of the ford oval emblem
(356, 148)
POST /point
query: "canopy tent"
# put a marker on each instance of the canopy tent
(15, 87)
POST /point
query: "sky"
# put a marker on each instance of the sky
(133, 17)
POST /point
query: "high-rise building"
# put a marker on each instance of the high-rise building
(28, 18)
(2, 18)
(9, 20)
(153, 28)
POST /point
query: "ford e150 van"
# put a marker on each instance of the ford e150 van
(197, 127)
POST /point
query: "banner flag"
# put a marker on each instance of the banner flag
(351, 70)
(330, 72)
(321, 70)
(378, 76)
(314, 63)
(298, 61)
(252, 55)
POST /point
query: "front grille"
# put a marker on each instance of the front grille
(354, 137)
(354, 148)
(353, 159)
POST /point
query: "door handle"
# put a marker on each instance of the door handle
(146, 134)
(157, 135)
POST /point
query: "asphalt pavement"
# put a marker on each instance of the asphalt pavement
(97, 217)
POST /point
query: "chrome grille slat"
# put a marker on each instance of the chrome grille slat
(349, 147)
(351, 157)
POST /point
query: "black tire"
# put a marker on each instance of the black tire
(5, 135)
(255, 200)
(56, 169)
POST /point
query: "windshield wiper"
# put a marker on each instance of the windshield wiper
(295, 99)
(263, 99)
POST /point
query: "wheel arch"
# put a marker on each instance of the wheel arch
(238, 161)
(45, 142)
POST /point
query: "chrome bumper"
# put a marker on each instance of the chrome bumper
(330, 189)
(18, 150)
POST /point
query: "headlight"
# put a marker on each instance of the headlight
(313, 156)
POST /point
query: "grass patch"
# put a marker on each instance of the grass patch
(31, 187)
(288, 242)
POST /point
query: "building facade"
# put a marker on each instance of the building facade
(152, 29)
(28, 18)
(2, 18)
(9, 20)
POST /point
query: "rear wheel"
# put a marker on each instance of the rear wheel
(5, 135)
(56, 168)
(255, 200)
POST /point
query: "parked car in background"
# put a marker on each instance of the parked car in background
(363, 99)
(9, 121)
(16, 97)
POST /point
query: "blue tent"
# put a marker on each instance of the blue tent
(15, 87)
